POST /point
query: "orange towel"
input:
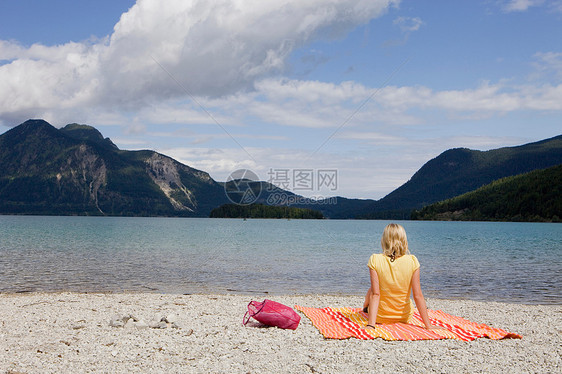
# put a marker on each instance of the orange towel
(343, 323)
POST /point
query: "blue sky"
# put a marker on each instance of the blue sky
(372, 89)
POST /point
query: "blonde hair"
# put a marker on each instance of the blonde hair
(394, 241)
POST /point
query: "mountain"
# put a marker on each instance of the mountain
(336, 207)
(75, 170)
(457, 171)
(534, 196)
(88, 134)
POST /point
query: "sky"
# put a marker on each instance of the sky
(366, 91)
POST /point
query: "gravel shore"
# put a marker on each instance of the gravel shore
(90, 333)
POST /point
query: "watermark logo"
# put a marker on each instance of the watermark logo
(303, 179)
(283, 187)
(243, 187)
(289, 199)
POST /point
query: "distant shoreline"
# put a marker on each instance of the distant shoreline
(272, 218)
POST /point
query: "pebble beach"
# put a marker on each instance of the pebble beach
(167, 333)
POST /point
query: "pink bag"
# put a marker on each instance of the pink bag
(272, 313)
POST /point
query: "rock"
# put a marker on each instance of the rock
(170, 318)
(141, 325)
(116, 321)
(136, 323)
(122, 320)
(129, 324)
(130, 321)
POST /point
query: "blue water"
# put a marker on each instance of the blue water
(512, 262)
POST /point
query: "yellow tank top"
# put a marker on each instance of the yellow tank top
(395, 286)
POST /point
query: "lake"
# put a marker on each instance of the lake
(493, 261)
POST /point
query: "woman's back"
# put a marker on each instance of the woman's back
(395, 278)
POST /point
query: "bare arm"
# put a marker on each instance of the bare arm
(420, 301)
(374, 297)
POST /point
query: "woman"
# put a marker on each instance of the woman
(395, 274)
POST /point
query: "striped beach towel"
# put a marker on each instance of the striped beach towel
(344, 323)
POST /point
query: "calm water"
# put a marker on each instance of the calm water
(513, 262)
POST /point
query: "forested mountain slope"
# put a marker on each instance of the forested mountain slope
(534, 196)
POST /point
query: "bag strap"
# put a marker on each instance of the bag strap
(250, 313)
(246, 318)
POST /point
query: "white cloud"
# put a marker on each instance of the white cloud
(408, 24)
(358, 175)
(218, 162)
(220, 49)
(524, 5)
(492, 98)
(549, 63)
(129, 142)
(325, 105)
(282, 112)
(372, 137)
(521, 5)
(315, 104)
(556, 6)
(208, 49)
